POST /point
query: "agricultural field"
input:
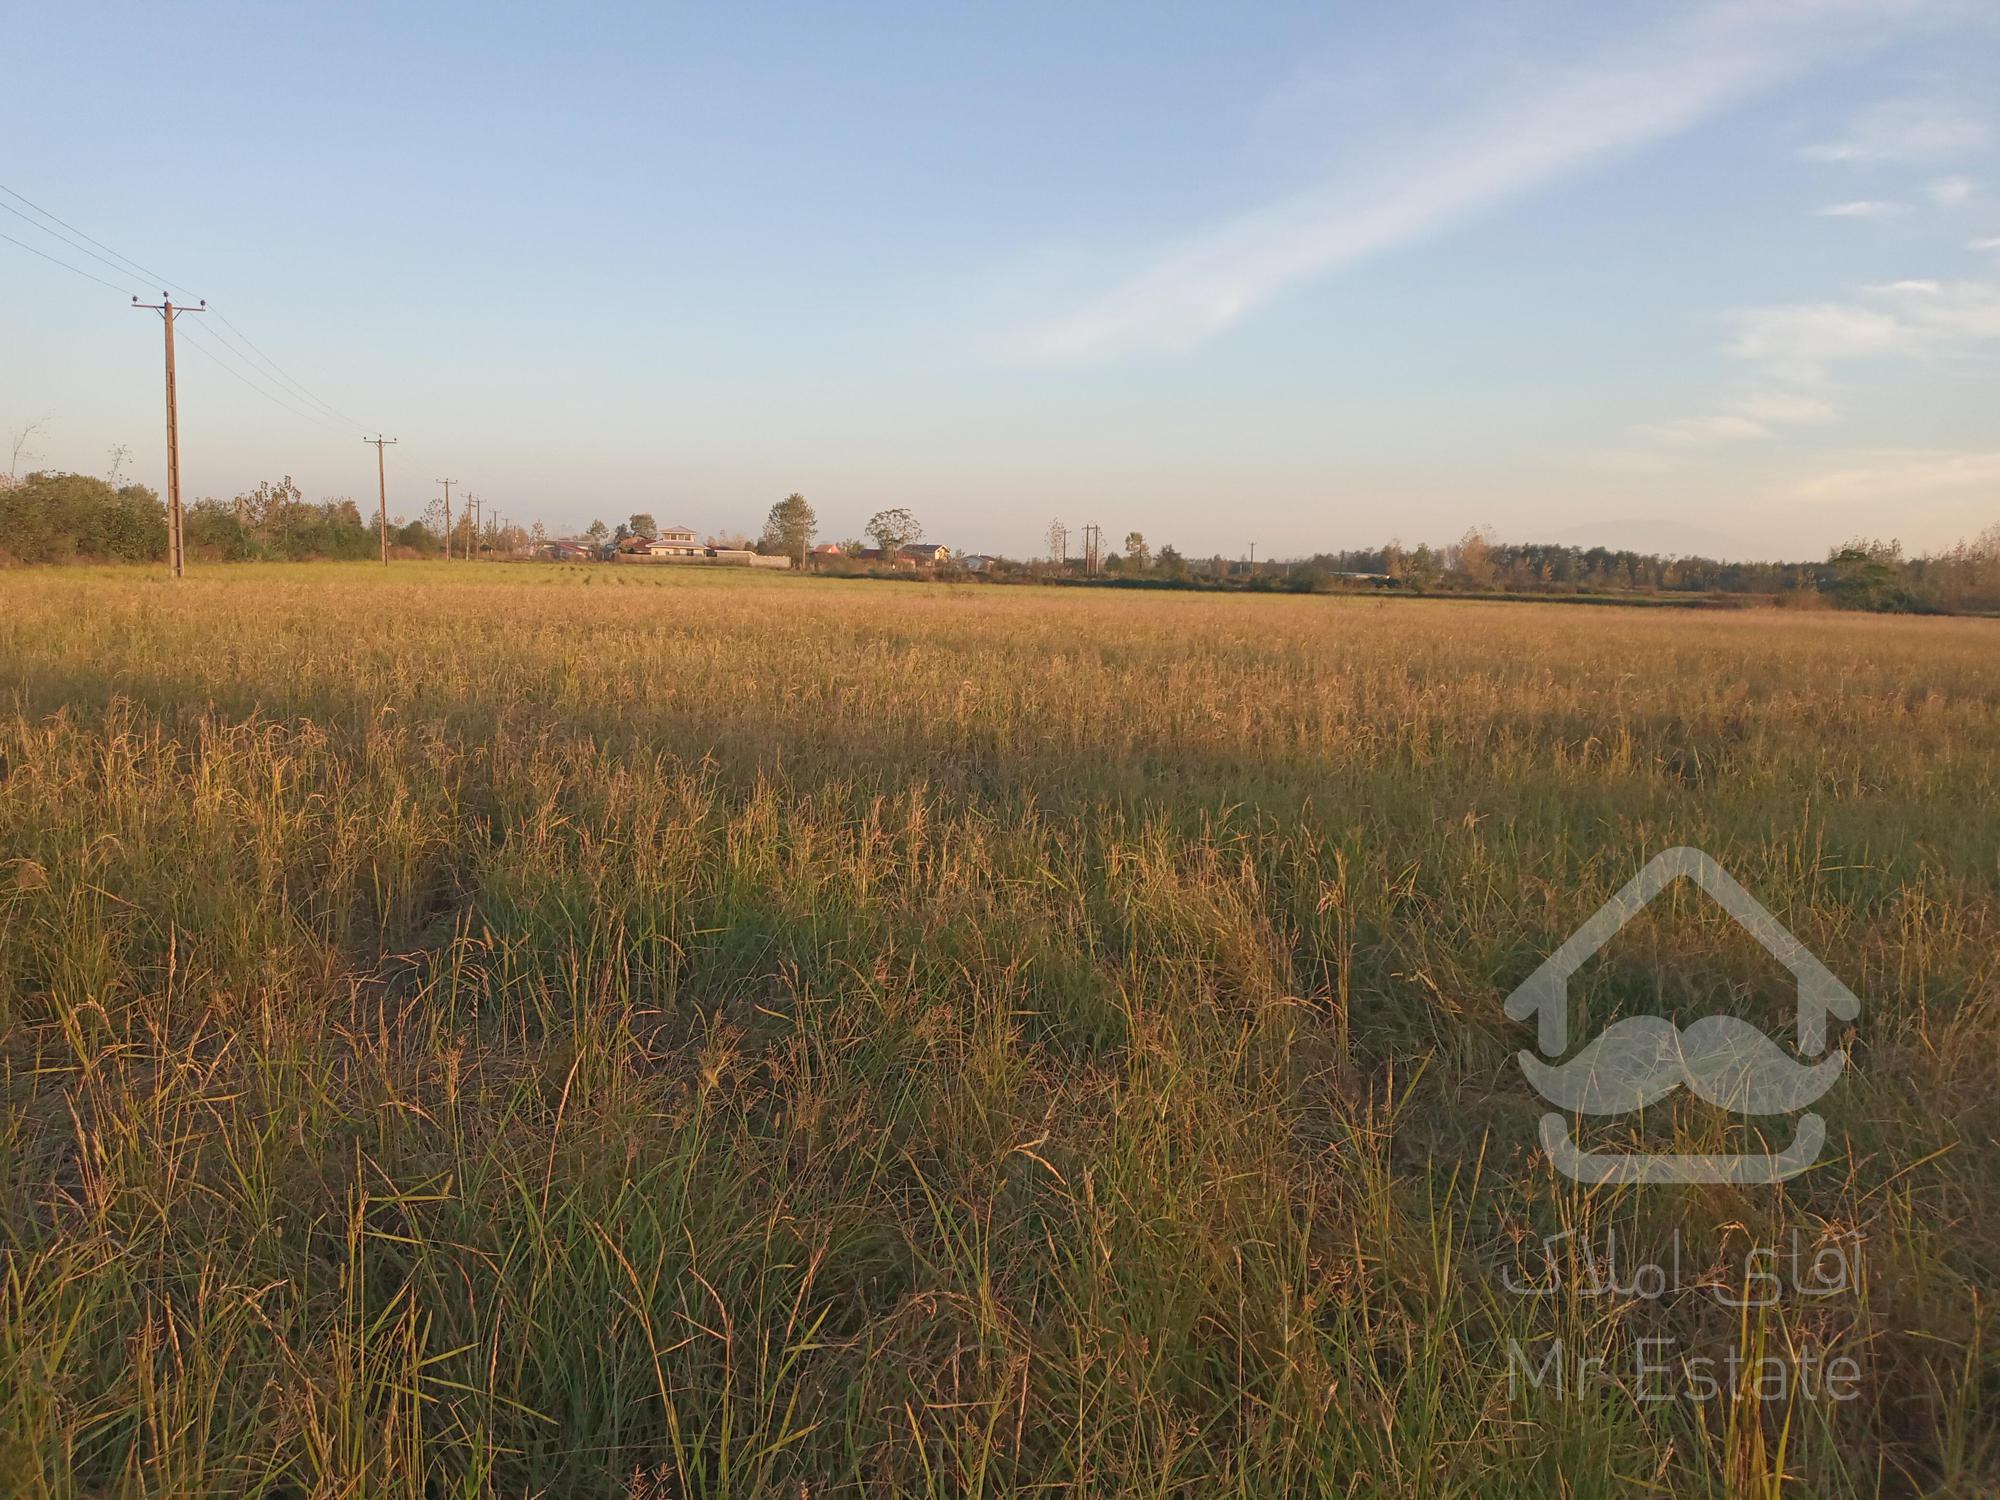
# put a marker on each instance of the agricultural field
(594, 1032)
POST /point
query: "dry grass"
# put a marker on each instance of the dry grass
(589, 1031)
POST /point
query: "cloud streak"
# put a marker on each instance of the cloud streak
(1904, 130)
(1799, 340)
(1515, 141)
(1864, 208)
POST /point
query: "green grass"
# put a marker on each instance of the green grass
(594, 1031)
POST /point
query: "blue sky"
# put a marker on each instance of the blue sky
(1720, 278)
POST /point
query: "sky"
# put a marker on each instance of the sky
(1697, 278)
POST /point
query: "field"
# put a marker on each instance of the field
(581, 1031)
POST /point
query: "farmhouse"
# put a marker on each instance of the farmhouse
(669, 544)
(923, 554)
(675, 541)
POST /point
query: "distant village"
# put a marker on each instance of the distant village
(682, 544)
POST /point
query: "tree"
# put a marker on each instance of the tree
(643, 525)
(792, 525)
(24, 435)
(1172, 565)
(893, 530)
(1138, 556)
(1475, 558)
(598, 532)
(1866, 574)
(1422, 569)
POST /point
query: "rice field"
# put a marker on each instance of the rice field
(581, 1031)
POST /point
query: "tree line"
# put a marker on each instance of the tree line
(50, 517)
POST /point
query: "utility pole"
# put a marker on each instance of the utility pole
(382, 489)
(1093, 548)
(472, 539)
(447, 483)
(176, 553)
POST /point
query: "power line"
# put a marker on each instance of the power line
(263, 391)
(78, 270)
(237, 353)
(296, 384)
(291, 382)
(66, 240)
(149, 275)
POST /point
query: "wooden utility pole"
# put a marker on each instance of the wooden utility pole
(1093, 548)
(472, 536)
(447, 483)
(176, 553)
(382, 489)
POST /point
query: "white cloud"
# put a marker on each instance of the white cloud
(1892, 474)
(1951, 191)
(1724, 427)
(1802, 336)
(1900, 318)
(1754, 416)
(1906, 130)
(1786, 408)
(1990, 244)
(1864, 208)
(1515, 140)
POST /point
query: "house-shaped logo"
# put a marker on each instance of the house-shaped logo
(1724, 1059)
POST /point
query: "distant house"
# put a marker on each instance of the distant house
(669, 544)
(675, 541)
(923, 554)
(568, 549)
(827, 549)
(977, 562)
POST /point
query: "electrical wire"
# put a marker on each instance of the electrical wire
(150, 275)
(78, 270)
(200, 347)
(289, 380)
(291, 383)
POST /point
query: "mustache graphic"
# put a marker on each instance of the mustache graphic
(1723, 1059)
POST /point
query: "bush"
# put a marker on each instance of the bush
(61, 517)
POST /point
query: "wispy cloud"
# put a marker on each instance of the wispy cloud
(1786, 408)
(1892, 474)
(1513, 141)
(1757, 415)
(1864, 208)
(1722, 427)
(1797, 341)
(1905, 130)
(1951, 191)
